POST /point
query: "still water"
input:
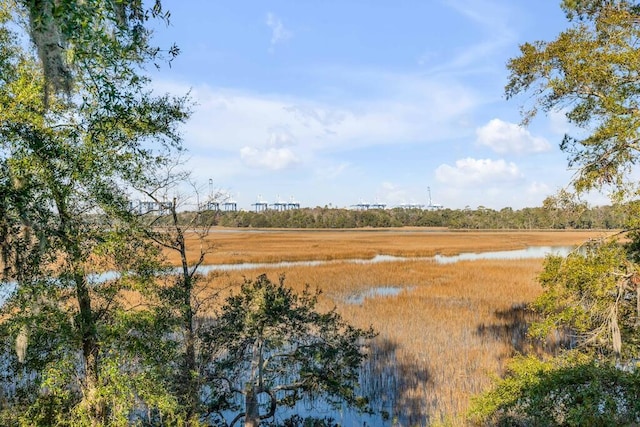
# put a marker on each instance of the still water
(527, 253)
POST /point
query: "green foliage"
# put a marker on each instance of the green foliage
(589, 72)
(557, 212)
(47, 386)
(591, 293)
(269, 341)
(81, 357)
(74, 37)
(573, 390)
(582, 9)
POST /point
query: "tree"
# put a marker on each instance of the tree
(565, 208)
(67, 163)
(591, 298)
(590, 72)
(569, 391)
(184, 301)
(270, 346)
(594, 293)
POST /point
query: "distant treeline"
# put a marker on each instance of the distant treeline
(601, 217)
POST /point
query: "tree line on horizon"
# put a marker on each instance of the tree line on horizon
(547, 217)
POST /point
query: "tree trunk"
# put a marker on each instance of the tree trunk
(90, 348)
(252, 410)
(86, 320)
(189, 369)
(254, 385)
(189, 373)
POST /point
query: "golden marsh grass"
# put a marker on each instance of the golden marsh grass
(272, 245)
(443, 337)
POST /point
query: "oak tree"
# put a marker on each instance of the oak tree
(73, 37)
(590, 72)
(271, 348)
(66, 163)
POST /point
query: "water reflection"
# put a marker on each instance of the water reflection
(389, 383)
(380, 291)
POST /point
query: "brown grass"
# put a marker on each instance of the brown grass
(271, 245)
(442, 338)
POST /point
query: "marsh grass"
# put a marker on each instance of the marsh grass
(443, 338)
(234, 246)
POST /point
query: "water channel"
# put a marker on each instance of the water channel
(527, 253)
(532, 252)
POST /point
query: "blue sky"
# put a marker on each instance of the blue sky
(338, 102)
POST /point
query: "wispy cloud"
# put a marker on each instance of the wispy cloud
(238, 133)
(488, 14)
(352, 123)
(428, 113)
(330, 171)
(395, 194)
(279, 33)
(538, 189)
(504, 137)
(493, 21)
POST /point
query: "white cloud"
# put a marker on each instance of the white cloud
(538, 189)
(559, 124)
(238, 133)
(280, 136)
(270, 158)
(307, 115)
(279, 33)
(504, 137)
(487, 14)
(215, 167)
(471, 171)
(276, 154)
